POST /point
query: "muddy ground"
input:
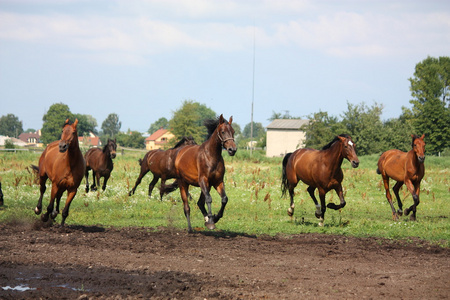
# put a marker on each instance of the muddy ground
(90, 262)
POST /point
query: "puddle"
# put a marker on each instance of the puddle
(19, 288)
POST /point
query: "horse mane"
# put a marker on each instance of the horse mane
(183, 140)
(211, 125)
(414, 137)
(106, 145)
(328, 146)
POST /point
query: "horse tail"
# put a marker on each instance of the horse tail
(35, 169)
(284, 180)
(378, 171)
(140, 161)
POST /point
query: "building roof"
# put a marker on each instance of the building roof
(287, 124)
(157, 134)
(24, 136)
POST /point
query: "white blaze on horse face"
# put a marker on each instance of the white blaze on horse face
(350, 143)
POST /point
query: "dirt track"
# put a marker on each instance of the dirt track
(101, 263)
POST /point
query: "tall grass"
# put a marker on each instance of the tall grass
(255, 204)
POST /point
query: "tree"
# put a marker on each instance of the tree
(258, 130)
(86, 124)
(280, 115)
(132, 139)
(111, 125)
(365, 127)
(160, 123)
(398, 131)
(322, 129)
(188, 120)
(430, 89)
(10, 126)
(54, 120)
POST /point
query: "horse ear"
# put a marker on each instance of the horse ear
(75, 123)
(231, 120)
(422, 137)
(221, 120)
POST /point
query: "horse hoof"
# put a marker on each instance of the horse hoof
(210, 226)
(407, 211)
(37, 211)
(332, 206)
(44, 218)
(400, 212)
(54, 214)
(412, 218)
(290, 212)
(320, 224)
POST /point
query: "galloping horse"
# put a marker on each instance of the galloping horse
(319, 169)
(101, 164)
(162, 165)
(405, 168)
(63, 163)
(203, 166)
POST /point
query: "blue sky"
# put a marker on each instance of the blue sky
(142, 59)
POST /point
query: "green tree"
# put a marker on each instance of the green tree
(188, 120)
(10, 126)
(398, 131)
(321, 129)
(54, 120)
(258, 131)
(132, 139)
(430, 89)
(86, 124)
(111, 125)
(160, 123)
(365, 127)
(280, 115)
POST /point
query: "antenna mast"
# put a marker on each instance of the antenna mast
(253, 93)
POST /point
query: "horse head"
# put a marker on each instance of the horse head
(348, 149)
(226, 135)
(418, 145)
(69, 135)
(111, 147)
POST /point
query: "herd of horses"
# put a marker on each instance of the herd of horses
(203, 166)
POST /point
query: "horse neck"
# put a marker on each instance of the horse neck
(411, 156)
(213, 145)
(334, 155)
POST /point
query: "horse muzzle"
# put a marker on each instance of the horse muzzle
(113, 155)
(355, 163)
(231, 151)
(421, 159)
(63, 146)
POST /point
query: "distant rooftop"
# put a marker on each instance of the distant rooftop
(287, 124)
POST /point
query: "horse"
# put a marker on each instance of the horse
(63, 163)
(101, 164)
(161, 164)
(319, 169)
(203, 166)
(405, 168)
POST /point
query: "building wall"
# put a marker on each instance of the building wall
(160, 142)
(282, 141)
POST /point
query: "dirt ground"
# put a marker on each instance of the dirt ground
(90, 262)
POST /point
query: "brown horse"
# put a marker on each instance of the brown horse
(203, 166)
(101, 164)
(405, 168)
(319, 169)
(63, 163)
(162, 165)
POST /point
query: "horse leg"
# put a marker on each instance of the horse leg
(97, 175)
(389, 197)
(105, 180)
(152, 184)
(55, 211)
(162, 188)
(201, 206)
(340, 194)
(291, 196)
(94, 184)
(318, 212)
(204, 185)
(415, 194)
(187, 210)
(65, 213)
(42, 181)
(86, 175)
(138, 181)
(396, 190)
(50, 207)
(221, 190)
(322, 194)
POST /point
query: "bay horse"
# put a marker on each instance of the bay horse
(162, 165)
(319, 169)
(203, 166)
(100, 162)
(62, 162)
(405, 168)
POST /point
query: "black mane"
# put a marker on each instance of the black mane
(106, 148)
(211, 125)
(328, 146)
(183, 140)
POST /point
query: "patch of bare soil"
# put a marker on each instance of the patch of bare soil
(90, 262)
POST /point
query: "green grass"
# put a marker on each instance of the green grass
(255, 205)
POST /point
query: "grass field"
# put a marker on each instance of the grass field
(255, 205)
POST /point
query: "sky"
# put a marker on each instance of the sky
(141, 59)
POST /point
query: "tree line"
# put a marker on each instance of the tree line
(429, 115)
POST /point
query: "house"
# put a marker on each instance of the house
(16, 142)
(31, 138)
(90, 140)
(285, 135)
(158, 139)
